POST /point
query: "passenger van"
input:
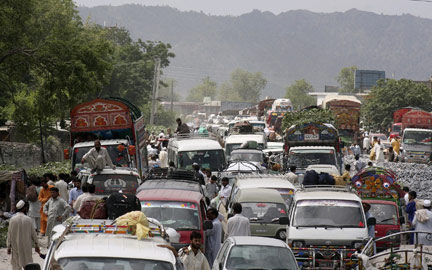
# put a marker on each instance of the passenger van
(233, 142)
(264, 208)
(182, 210)
(186, 150)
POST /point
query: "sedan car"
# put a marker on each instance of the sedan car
(249, 252)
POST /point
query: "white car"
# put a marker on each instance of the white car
(87, 246)
(249, 252)
(326, 224)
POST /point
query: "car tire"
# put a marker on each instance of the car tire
(281, 234)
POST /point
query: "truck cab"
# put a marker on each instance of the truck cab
(326, 226)
(417, 145)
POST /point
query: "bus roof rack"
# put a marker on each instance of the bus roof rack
(189, 136)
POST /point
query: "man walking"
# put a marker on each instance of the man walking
(213, 236)
(292, 176)
(212, 188)
(62, 187)
(97, 158)
(192, 257)
(225, 191)
(21, 237)
(43, 197)
(238, 225)
(57, 211)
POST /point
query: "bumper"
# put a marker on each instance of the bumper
(321, 257)
(417, 157)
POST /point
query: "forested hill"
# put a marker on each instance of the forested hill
(285, 47)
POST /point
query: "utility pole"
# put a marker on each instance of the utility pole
(172, 95)
(155, 90)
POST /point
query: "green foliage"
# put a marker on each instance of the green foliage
(52, 167)
(308, 116)
(390, 95)
(207, 88)
(3, 235)
(134, 65)
(50, 62)
(243, 86)
(298, 94)
(162, 117)
(165, 91)
(346, 79)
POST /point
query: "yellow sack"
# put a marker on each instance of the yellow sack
(137, 222)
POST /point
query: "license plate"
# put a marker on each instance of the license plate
(326, 264)
(311, 137)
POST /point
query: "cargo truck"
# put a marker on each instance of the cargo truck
(417, 136)
(117, 123)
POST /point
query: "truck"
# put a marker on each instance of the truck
(396, 129)
(378, 187)
(347, 112)
(312, 143)
(117, 123)
(417, 136)
(279, 107)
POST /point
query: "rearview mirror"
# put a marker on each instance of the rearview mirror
(283, 220)
(220, 266)
(32, 266)
(402, 220)
(371, 221)
(208, 225)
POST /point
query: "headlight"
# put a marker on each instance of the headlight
(298, 244)
(357, 245)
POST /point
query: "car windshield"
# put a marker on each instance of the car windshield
(118, 158)
(263, 212)
(396, 128)
(253, 157)
(417, 137)
(107, 184)
(111, 263)
(208, 159)
(176, 215)
(328, 213)
(385, 214)
(303, 159)
(246, 257)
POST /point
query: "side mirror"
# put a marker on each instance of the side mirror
(402, 220)
(208, 225)
(371, 221)
(220, 266)
(32, 266)
(283, 220)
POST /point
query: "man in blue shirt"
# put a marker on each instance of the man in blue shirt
(75, 192)
(213, 236)
(410, 209)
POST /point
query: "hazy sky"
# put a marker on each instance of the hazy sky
(422, 8)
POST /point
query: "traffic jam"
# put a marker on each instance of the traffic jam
(241, 191)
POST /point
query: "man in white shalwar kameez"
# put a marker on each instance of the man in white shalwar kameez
(21, 237)
(423, 222)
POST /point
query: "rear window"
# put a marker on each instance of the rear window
(107, 184)
(263, 212)
(176, 215)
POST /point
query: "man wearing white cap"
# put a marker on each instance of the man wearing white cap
(423, 222)
(21, 237)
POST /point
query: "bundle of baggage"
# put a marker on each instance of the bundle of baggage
(116, 205)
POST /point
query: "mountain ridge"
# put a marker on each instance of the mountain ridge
(285, 47)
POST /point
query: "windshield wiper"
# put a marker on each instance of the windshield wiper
(319, 225)
(256, 219)
(185, 229)
(387, 219)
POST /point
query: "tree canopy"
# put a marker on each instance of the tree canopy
(243, 86)
(207, 88)
(346, 79)
(390, 95)
(298, 94)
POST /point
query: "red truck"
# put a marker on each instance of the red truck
(117, 123)
(417, 119)
(396, 129)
